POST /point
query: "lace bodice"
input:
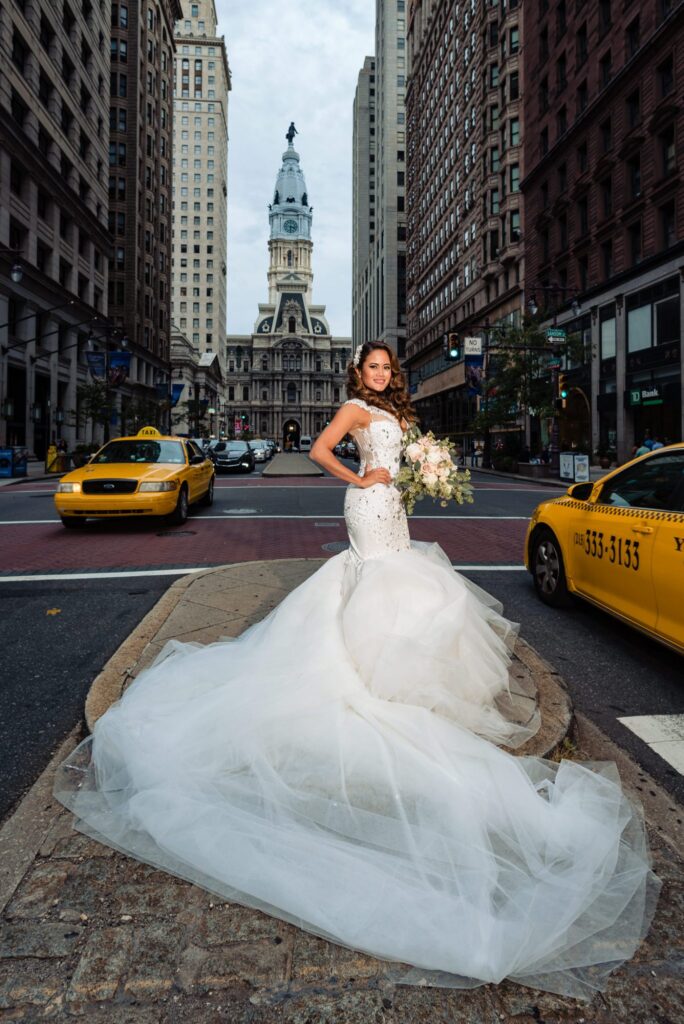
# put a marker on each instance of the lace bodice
(375, 517)
(380, 442)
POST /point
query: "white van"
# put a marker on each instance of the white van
(305, 443)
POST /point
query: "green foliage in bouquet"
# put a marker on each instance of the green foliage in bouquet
(429, 471)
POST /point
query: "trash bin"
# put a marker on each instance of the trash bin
(13, 461)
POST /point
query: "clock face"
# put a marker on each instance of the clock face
(290, 226)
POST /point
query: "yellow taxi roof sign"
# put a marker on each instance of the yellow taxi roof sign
(148, 432)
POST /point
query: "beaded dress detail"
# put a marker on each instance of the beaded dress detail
(339, 766)
(375, 517)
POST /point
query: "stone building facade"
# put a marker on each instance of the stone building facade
(287, 378)
(379, 232)
(200, 203)
(54, 242)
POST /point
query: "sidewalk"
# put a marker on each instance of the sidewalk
(88, 934)
(595, 473)
(35, 470)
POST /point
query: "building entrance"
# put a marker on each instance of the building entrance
(291, 434)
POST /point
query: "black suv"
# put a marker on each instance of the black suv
(231, 456)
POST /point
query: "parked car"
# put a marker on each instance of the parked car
(260, 448)
(232, 456)
(619, 543)
(148, 474)
(305, 443)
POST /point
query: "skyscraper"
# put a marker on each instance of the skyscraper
(200, 184)
(140, 141)
(54, 243)
(379, 253)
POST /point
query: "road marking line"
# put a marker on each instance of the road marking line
(234, 516)
(664, 734)
(56, 577)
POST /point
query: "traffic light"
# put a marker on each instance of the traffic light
(452, 346)
(563, 391)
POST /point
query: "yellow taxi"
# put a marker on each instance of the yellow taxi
(619, 543)
(145, 475)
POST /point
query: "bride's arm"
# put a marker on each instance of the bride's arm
(346, 419)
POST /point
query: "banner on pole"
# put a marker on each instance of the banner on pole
(176, 392)
(97, 365)
(474, 367)
(119, 367)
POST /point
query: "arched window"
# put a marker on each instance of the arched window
(291, 324)
(264, 362)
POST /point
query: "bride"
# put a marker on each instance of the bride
(339, 765)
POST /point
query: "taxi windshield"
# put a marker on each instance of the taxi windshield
(144, 450)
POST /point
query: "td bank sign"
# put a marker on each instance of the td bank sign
(651, 395)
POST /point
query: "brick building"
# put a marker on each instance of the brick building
(604, 202)
(465, 163)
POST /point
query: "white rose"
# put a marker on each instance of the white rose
(434, 457)
(414, 452)
(430, 479)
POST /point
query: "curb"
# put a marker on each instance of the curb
(15, 480)
(107, 688)
(545, 481)
(110, 684)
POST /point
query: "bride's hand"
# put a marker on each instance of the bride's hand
(375, 476)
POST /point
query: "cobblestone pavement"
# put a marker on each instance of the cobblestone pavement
(92, 935)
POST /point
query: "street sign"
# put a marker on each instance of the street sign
(472, 346)
(555, 334)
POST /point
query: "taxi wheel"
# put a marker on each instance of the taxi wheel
(208, 498)
(180, 513)
(72, 522)
(548, 570)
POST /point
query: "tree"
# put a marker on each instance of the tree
(194, 412)
(142, 412)
(517, 377)
(93, 403)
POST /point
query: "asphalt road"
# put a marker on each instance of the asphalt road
(50, 657)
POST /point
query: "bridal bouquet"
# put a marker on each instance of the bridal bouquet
(430, 470)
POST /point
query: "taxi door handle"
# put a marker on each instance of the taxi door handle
(642, 529)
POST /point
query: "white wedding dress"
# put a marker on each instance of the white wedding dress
(337, 766)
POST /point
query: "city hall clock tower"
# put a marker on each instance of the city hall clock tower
(289, 217)
(287, 379)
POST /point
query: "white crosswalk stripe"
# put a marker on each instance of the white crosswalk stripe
(664, 734)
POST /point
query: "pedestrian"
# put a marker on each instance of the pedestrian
(643, 449)
(350, 776)
(473, 454)
(657, 443)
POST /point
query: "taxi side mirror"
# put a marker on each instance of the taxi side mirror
(581, 492)
(197, 459)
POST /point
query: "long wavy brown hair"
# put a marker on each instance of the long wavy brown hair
(395, 398)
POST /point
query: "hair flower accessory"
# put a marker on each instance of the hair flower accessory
(357, 356)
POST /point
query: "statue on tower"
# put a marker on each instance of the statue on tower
(291, 132)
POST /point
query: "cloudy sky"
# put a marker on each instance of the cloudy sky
(292, 62)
